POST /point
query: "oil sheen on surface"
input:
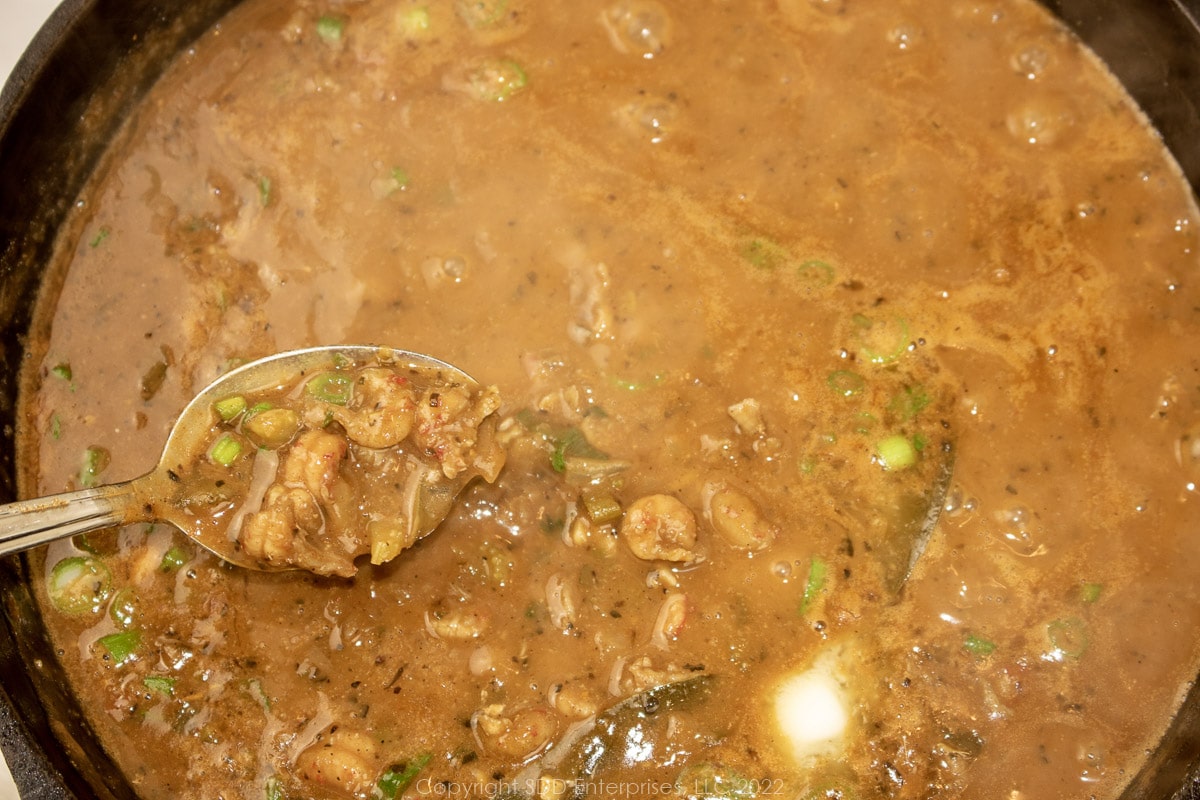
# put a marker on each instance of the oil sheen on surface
(764, 286)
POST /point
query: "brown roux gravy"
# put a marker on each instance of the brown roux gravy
(767, 289)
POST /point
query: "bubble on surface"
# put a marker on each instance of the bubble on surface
(904, 36)
(649, 115)
(1041, 121)
(638, 27)
(1031, 61)
(1019, 534)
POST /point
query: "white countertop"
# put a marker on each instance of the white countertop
(20, 21)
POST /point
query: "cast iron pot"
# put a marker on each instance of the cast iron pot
(91, 63)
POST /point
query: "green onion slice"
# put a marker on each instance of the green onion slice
(396, 779)
(895, 452)
(79, 584)
(123, 608)
(229, 408)
(95, 460)
(173, 559)
(331, 387)
(979, 646)
(122, 645)
(818, 572)
(881, 341)
(225, 450)
(331, 28)
(497, 80)
(1068, 636)
(816, 272)
(162, 684)
(846, 383)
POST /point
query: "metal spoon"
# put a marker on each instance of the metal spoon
(161, 495)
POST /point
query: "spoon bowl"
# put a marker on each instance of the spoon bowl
(168, 494)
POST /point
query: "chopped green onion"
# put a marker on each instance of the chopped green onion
(55, 426)
(572, 443)
(415, 21)
(895, 452)
(258, 408)
(273, 790)
(497, 80)
(866, 421)
(173, 559)
(100, 236)
(846, 383)
(400, 177)
(637, 386)
(818, 572)
(979, 646)
(122, 645)
(79, 584)
(919, 442)
(331, 28)
(331, 387)
(95, 460)
(763, 253)
(396, 779)
(1090, 592)
(816, 272)
(82, 541)
(255, 688)
(160, 683)
(882, 342)
(264, 191)
(910, 402)
(123, 608)
(229, 408)
(225, 450)
(61, 370)
(1068, 636)
(601, 508)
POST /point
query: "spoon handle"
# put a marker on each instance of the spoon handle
(29, 523)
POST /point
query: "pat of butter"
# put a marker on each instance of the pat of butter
(811, 711)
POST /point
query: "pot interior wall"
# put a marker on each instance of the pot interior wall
(67, 97)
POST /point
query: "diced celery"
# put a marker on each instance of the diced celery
(331, 387)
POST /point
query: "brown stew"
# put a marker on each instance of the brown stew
(851, 403)
(346, 460)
